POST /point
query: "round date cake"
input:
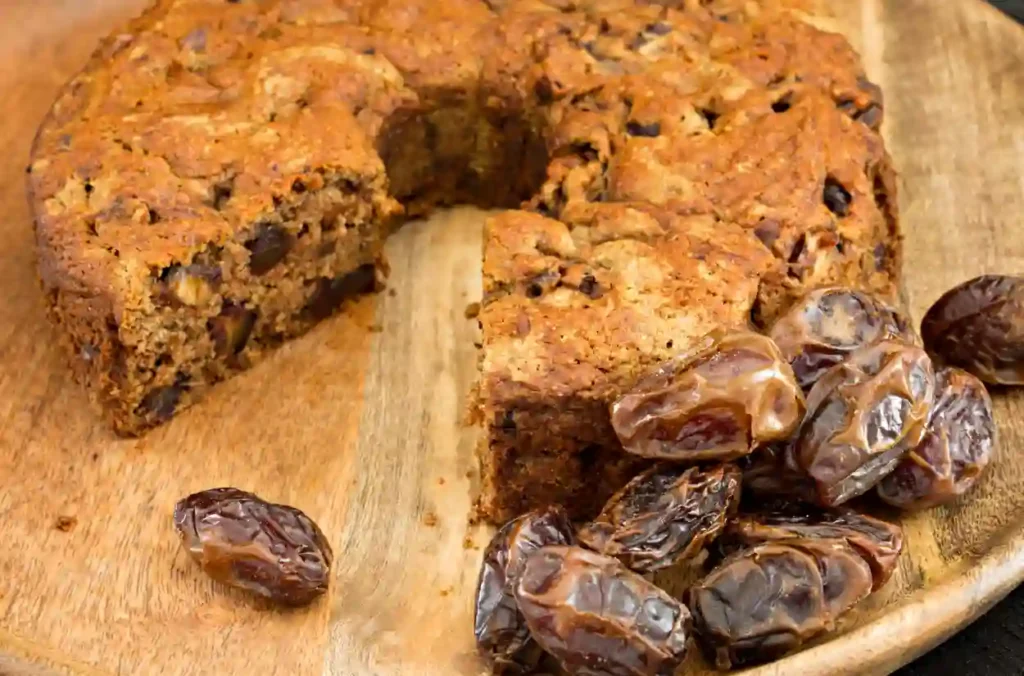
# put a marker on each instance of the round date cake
(223, 173)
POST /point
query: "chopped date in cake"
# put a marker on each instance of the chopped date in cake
(863, 416)
(955, 449)
(836, 197)
(979, 326)
(161, 403)
(866, 104)
(595, 616)
(732, 393)
(650, 129)
(825, 326)
(329, 294)
(500, 629)
(665, 515)
(231, 329)
(275, 551)
(268, 247)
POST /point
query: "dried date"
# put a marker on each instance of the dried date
(665, 515)
(878, 542)
(732, 393)
(979, 327)
(772, 471)
(501, 632)
(241, 540)
(758, 605)
(596, 617)
(863, 416)
(826, 325)
(766, 601)
(956, 447)
(846, 578)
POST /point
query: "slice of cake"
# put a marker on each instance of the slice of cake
(572, 314)
(175, 249)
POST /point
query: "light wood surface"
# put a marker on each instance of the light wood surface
(359, 423)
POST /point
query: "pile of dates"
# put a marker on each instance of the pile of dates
(840, 398)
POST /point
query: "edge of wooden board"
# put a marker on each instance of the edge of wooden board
(932, 615)
(878, 647)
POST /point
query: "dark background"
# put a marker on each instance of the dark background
(994, 644)
(1012, 7)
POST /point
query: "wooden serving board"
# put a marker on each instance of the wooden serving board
(360, 423)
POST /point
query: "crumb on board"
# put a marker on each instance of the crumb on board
(440, 481)
(65, 524)
(376, 328)
(475, 517)
(472, 310)
(468, 543)
(446, 591)
(392, 293)
(430, 519)
(469, 474)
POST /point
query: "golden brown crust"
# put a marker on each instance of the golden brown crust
(251, 153)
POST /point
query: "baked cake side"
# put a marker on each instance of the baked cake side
(214, 272)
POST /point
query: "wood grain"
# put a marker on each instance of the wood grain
(359, 423)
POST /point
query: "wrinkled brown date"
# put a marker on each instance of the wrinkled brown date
(956, 447)
(732, 393)
(596, 617)
(979, 327)
(241, 540)
(826, 325)
(758, 605)
(501, 632)
(846, 578)
(878, 542)
(764, 602)
(665, 515)
(863, 415)
(772, 471)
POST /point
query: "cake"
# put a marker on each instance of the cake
(222, 175)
